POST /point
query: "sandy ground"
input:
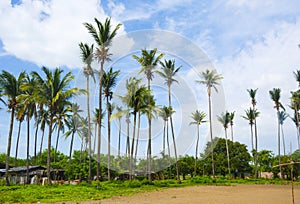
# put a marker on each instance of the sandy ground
(238, 194)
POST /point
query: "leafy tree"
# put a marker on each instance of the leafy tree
(210, 79)
(265, 159)
(198, 118)
(10, 89)
(102, 35)
(239, 155)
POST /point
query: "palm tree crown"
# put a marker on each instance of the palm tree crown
(210, 78)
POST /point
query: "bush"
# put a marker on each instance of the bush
(133, 184)
(162, 183)
(202, 180)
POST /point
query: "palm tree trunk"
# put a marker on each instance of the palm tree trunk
(164, 139)
(169, 151)
(132, 147)
(196, 154)
(17, 145)
(127, 139)
(231, 130)
(149, 148)
(227, 152)
(138, 136)
(89, 128)
(256, 150)
(9, 145)
(27, 150)
(119, 139)
(95, 137)
(35, 142)
(41, 145)
(279, 142)
(100, 118)
(211, 136)
(49, 149)
(70, 153)
(283, 141)
(108, 137)
(57, 138)
(252, 140)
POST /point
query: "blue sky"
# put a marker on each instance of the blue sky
(253, 44)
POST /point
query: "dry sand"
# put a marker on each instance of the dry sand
(237, 194)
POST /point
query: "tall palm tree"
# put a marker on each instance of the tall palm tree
(210, 79)
(168, 72)
(231, 117)
(86, 52)
(102, 35)
(119, 109)
(44, 120)
(250, 116)
(10, 87)
(295, 105)
(275, 96)
(224, 120)
(52, 91)
(148, 61)
(164, 114)
(198, 118)
(109, 82)
(282, 116)
(252, 94)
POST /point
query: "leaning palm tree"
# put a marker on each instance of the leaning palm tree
(198, 118)
(86, 52)
(148, 61)
(224, 120)
(168, 72)
(109, 82)
(10, 89)
(282, 116)
(231, 117)
(275, 96)
(210, 79)
(103, 35)
(52, 91)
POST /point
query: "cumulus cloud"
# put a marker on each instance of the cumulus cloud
(48, 32)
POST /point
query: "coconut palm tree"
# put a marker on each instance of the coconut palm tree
(168, 72)
(224, 120)
(52, 91)
(297, 76)
(295, 105)
(198, 118)
(164, 114)
(119, 110)
(148, 61)
(250, 116)
(275, 96)
(282, 116)
(231, 117)
(10, 87)
(43, 119)
(86, 52)
(210, 79)
(102, 35)
(109, 82)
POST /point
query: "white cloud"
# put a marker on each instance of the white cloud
(47, 33)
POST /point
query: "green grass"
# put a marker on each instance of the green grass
(98, 191)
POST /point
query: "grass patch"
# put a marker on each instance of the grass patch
(102, 190)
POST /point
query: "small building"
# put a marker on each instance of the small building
(17, 175)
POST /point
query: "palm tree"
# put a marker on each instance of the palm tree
(109, 82)
(198, 117)
(148, 61)
(224, 120)
(103, 36)
(10, 86)
(164, 114)
(282, 116)
(86, 52)
(275, 96)
(210, 79)
(53, 91)
(168, 71)
(295, 105)
(250, 116)
(297, 76)
(43, 118)
(119, 109)
(231, 117)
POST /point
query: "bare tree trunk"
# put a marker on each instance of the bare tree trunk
(12, 115)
